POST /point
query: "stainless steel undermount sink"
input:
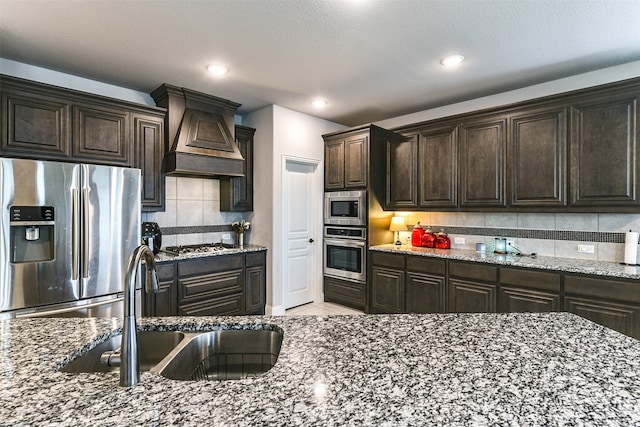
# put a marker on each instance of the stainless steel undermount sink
(225, 354)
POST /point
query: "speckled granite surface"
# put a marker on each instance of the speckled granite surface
(165, 257)
(382, 370)
(600, 268)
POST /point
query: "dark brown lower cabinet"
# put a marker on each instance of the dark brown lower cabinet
(417, 284)
(612, 303)
(387, 290)
(525, 290)
(255, 283)
(345, 292)
(210, 286)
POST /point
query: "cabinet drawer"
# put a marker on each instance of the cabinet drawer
(344, 292)
(209, 286)
(382, 259)
(231, 305)
(603, 288)
(255, 259)
(473, 271)
(212, 264)
(530, 279)
(426, 265)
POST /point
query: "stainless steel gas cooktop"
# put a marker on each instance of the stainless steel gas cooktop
(200, 248)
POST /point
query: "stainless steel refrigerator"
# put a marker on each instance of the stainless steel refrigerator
(66, 235)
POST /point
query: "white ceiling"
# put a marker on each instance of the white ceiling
(371, 59)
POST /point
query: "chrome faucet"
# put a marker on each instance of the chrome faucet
(129, 363)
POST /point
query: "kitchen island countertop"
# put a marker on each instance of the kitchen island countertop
(442, 369)
(570, 265)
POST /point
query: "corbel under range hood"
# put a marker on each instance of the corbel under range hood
(200, 133)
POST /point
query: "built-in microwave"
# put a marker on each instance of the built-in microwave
(345, 208)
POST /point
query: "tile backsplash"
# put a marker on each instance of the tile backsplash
(545, 234)
(192, 213)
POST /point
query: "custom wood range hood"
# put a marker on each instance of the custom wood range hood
(199, 131)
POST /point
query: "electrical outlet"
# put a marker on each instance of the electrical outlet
(460, 240)
(226, 236)
(586, 249)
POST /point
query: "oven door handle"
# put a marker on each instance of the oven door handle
(352, 243)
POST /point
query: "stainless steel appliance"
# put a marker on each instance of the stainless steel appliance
(66, 235)
(345, 253)
(345, 208)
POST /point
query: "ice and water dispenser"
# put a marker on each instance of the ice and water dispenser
(32, 233)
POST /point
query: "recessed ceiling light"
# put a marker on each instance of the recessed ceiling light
(319, 103)
(452, 60)
(218, 70)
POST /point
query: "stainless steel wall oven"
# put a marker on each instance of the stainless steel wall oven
(345, 253)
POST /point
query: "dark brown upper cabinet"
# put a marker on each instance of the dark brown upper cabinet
(571, 152)
(45, 122)
(148, 140)
(401, 182)
(236, 193)
(346, 161)
(483, 146)
(538, 158)
(438, 168)
(604, 151)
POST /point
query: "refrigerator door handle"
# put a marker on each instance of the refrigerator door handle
(85, 238)
(75, 231)
(48, 313)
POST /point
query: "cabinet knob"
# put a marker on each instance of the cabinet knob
(311, 240)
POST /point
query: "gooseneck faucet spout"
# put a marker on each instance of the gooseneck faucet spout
(129, 365)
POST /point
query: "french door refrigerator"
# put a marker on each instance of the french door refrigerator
(66, 236)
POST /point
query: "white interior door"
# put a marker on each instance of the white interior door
(299, 225)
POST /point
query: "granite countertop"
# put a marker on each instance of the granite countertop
(598, 268)
(535, 369)
(166, 257)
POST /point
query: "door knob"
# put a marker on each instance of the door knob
(311, 240)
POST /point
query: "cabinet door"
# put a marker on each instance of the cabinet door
(401, 185)
(425, 294)
(604, 152)
(471, 297)
(387, 290)
(356, 162)
(34, 125)
(517, 300)
(334, 165)
(438, 168)
(148, 135)
(483, 163)
(236, 193)
(101, 135)
(538, 158)
(623, 318)
(255, 283)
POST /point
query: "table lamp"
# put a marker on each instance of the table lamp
(398, 225)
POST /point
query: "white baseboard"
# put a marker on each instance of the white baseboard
(278, 310)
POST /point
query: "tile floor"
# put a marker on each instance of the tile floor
(320, 308)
